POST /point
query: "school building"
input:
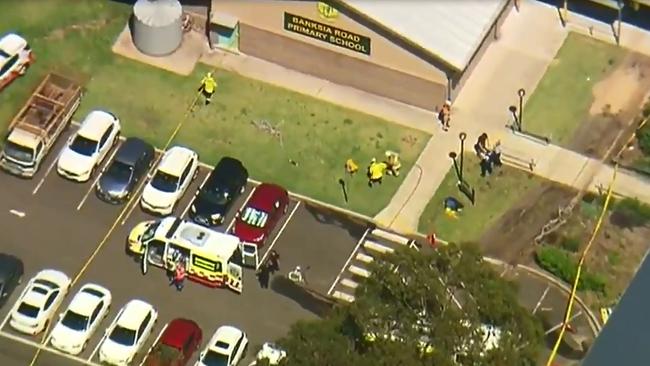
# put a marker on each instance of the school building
(417, 52)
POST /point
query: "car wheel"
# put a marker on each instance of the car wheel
(243, 189)
(196, 174)
(83, 347)
(285, 209)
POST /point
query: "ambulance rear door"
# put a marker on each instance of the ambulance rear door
(250, 256)
(235, 277)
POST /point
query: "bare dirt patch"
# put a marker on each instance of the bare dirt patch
(93, 25)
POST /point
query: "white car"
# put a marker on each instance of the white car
(78, 323)
(86, 149)
(39, 300)
(173, 175)
(226, 347)
(15, 57)
(271, 353)
(127, 333)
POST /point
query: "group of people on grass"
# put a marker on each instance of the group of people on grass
(377, 169)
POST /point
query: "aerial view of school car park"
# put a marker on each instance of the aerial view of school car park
(271, 182)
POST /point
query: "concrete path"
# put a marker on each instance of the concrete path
(517, 60)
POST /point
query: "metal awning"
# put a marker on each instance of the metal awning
(224, 19)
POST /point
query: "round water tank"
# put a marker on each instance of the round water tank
(156, 26)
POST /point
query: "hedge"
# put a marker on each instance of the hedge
(560, 263)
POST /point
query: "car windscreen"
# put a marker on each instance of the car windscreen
(75, 321)
(18, 152)
(215, 194)
(123, 336)
(151, 230)
(120, 170)
(254, 217)
(28, 310)
(84, 146)
(164, 182)
(213, 358)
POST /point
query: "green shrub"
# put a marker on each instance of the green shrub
(571, 244)
(643, 138)
(634, 209)
(560, 263)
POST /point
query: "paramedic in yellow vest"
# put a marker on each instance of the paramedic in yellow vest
(351, 167)
(376, 172)
(208, 86)
(393, 163)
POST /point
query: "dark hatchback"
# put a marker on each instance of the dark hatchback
(226, 182)
(132, 161)
(11, 273)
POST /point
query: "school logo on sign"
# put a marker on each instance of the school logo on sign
(327, 11)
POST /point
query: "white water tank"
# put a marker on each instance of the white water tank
(156, 26)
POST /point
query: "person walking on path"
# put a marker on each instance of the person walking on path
(444, 116)
(273, 262)
(208, 86)
(263, 276)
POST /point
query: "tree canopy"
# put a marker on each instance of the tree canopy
(446, 307)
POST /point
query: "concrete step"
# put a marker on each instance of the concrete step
(349, 283)
(376, 247)
(364, 258)
(343, 296)
(359, 271)
(390, 236)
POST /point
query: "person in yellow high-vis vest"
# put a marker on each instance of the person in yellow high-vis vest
(376, 172)
(208, 86)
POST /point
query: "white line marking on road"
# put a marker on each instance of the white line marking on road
(20, 214)
(48, 171)
(153, 344)
(541, 299)
(33, 344)
(101, 172)
(345, 266)
(196, 193)
(232, 222)
(275, 240)
(560, 324)
(96, 349)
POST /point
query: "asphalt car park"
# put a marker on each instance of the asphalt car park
(50, 222)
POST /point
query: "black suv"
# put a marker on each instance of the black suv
(226, 182)
(11, 273)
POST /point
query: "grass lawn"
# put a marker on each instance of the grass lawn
(563, 97)
(318, 136)
(495, 195)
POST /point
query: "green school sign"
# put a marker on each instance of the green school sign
(327, 33)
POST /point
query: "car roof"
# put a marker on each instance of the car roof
(95, 124)
(227, 334)
(226, 172)
(8, 264)
(84, 303)
(23, 138)
(131, 150)
(265, 196)
(175, 160)
(133, 314)
(178, 331)
(12, 43)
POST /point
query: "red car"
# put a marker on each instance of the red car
(176, 344)
(256, 221)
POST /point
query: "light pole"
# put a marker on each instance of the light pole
(522, 93)
(463, 186)
(462, 136)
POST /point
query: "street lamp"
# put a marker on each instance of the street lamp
(462, 136)
(463, 186)
(522, 93)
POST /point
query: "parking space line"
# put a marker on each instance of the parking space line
(196, 193)
(135, 200)
(94, 182)
(99, 344)
(275, 240)
(47, 172)
(232, 222)
(153, 344)
(558, 326)
(41, 347)
(345, 266)
(541, 299)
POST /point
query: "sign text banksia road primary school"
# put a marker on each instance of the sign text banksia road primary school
(327, 33)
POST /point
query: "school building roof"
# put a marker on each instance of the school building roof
(450, 30)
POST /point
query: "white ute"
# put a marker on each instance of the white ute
(15, 57)
(78, 323)
(127, 333)
(177, 168)
(87, 148)
(39, 300)
(227, 347)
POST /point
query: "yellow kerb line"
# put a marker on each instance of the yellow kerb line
(117, 220)
(574, 289)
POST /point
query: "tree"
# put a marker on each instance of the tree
(420, 309)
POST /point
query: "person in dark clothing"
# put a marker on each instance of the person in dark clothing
(263, 276)
(482, 149)
(273, 262)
